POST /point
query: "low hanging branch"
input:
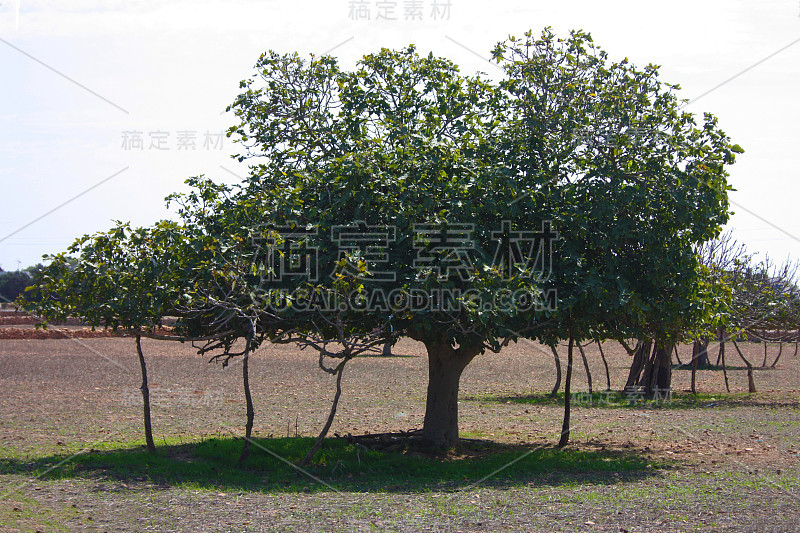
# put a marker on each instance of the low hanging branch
(178, 338)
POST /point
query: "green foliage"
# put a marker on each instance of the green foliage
(601, 149)
(123, 278)
(630, 181)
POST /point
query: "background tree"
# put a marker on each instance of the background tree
(12, 284)
(755, 299)
(124, 279)
(630, 181)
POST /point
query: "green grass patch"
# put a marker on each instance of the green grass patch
(25, 514)
(620, 400)
(213, 464)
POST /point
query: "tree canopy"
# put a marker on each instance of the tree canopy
(562, 201)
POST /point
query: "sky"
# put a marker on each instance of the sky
(106, 106)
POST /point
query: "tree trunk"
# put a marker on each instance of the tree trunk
(677, 357)
(695, 357)
(640, 358)
(651, 370)
(751, 384)
(331, 415)
(662, 378)
(605, 363)
(445, 365)
(558, 373)
(387, 349)
(586, 366)
(565, 424)
(248, 428)
(724, 365)
(780, 351)
(148, 430)
(764, 363)
(702, 355)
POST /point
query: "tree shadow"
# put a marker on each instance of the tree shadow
(677, 400)
(719, 368)
(342, 466)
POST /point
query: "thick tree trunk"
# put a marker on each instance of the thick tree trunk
(558, 373)
(387, 349)
(445, 366)
(662, 377)
(651, 370)
(640, 358)
(564, 440)
(148, 430)
(702, 354)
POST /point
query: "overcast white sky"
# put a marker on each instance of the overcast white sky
(76, 76)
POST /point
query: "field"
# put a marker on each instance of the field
(71, 438)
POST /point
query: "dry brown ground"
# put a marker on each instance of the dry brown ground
(738, 457)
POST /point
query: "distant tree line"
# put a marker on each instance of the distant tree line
(14, 283)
